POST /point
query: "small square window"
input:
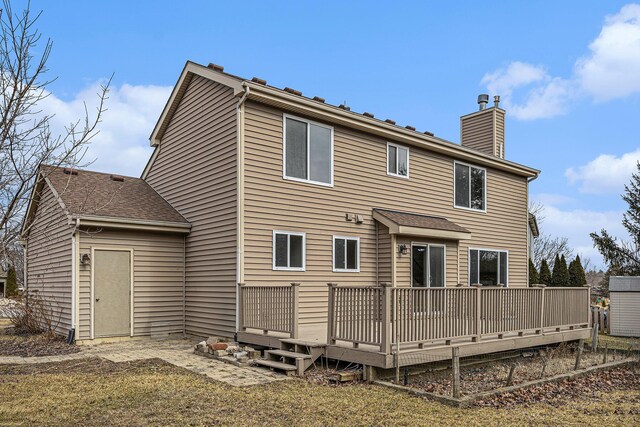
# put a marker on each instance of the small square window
(346, 254)
(397, 160)
(288, 251)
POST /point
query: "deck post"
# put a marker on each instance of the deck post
(241, 326)
(385, 344)
(478, 335)
(331, 317)
(541, 309)
(455, 371)
(295, 303)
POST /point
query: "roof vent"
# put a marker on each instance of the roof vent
(483, 100)
(344, 107)
(410, 127)
(68, 171)
(317, 98)
(393, 122)
(368, 115)
(293, 91)
(215, 67)
(426, 132)
(117, 178)
(259, 81)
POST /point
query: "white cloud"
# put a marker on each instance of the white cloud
(606, 174)
(610, 70)
(122, 145)
(545, 96)
(577, 224)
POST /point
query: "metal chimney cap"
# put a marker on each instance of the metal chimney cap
(483, 100)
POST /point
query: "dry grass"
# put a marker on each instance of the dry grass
(97, 393)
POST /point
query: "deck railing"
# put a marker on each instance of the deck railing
(269, 308)
(381, 316)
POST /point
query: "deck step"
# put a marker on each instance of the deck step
(294, 341)
(275, 365)
(285, 353)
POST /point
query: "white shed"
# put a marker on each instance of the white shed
(625, 306)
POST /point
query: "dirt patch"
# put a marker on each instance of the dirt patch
(480, 378)
(559, 393)
(33, 345)
(89, 365)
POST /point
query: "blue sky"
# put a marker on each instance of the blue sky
(568, 73)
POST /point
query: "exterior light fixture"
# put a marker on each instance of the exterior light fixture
(403, 249)
(85, 259)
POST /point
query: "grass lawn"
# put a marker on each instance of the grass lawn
(97, 392)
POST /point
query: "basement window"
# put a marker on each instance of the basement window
(308, 151)
(346, 254)
(470, 187)
(397, 160)
(488, 267)
(289, 250)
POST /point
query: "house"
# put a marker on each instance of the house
(422, 241)
(624, 308)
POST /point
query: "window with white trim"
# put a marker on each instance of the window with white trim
(470, 187)
(346, 254)
(288, 250)
(397, 160)
(308, 151)
(488, 267)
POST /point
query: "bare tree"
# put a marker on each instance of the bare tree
(27, 135)
(546, 246)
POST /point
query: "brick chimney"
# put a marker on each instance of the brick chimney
(484, 129)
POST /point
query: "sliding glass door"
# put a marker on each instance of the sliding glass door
(427, 266)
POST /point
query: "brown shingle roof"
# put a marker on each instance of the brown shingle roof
(407, 219)
(90, 193)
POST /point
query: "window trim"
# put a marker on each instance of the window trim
(333, 255)
(286, 116)
(428, 245)
(391, 144)
(304, 250)
(486, 250)
(455, 162)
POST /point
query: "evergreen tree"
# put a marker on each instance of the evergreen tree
(11, 284)
(545, 273)
(560, 274)
(576, 273)
(624, 257)
(534, 277)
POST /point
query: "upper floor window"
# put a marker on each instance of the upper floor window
(288, 250)
(308, 151)
(346, 254)
(488, 267)
(470, 187)
(397, 160)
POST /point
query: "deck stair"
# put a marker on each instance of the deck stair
(294, 356)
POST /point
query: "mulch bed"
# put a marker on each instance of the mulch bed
(12, 344)
(559, 393)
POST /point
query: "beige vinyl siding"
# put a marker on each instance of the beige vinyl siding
(500, 137)
(360, 184)
(158, 278)
(49, 258)
(476, 131)
(384, 254)
(195, 171)
(625, 314)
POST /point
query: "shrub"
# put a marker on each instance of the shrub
(32, 313)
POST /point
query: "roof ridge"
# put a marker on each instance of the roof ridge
(93, 172)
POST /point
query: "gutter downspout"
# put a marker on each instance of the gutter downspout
(75, 253)
(240, 198)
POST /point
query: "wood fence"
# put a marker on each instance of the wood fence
(383, 315)
(269, 308)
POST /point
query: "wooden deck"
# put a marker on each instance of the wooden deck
(373, 326)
